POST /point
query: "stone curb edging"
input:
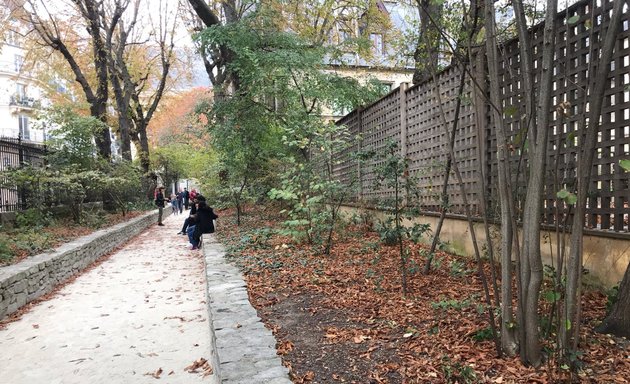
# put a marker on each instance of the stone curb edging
(40, 274)
(244, 351)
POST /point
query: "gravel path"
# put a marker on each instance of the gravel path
(139, 316)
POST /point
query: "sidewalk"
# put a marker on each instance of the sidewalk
(141, 315)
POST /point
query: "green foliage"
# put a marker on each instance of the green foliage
(376, 278)
(456, 372)
(33, 218)
(178, 160)
(122, 184)
(612, 296)
(458, 269)
(451, 304)
(483, 334)
(568, 197)
(6, 255)
(392, 172)
(71, 138)
(387, 231)
(625, 164)
(272, 127)
(33, 241)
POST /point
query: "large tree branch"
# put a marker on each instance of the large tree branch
(204, 12)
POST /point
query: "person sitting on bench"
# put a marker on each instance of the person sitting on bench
(204, 223)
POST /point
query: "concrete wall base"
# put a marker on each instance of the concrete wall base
(606, 256)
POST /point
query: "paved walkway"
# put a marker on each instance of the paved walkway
(142, 315)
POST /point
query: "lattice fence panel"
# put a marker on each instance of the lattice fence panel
(380, 124)
(608, 199)
(346, 168)
(427, 141)
(608, 205)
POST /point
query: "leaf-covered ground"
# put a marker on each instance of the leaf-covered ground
(342, 317)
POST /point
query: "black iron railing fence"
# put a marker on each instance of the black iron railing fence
(15, 152)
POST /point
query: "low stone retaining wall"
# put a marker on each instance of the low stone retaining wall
(244, 350)
(24, 282)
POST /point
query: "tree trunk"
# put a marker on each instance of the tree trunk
(427, 51)
(595, 92)
(618, 320)
(537, 113)
(102, 137)
(508, 340)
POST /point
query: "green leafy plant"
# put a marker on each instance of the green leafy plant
(456, 372)
(33, 218)
(451, 304)
(483, 334)
(272, 127)
(612, 296)
(393, 174)
(568, 197)
(458, 269)
(6, 255)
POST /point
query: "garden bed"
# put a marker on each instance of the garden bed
(342, 317)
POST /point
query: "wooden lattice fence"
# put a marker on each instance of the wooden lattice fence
(414, 119)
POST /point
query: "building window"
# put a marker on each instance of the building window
(377, 44)
(24, 131)
(18, 60)
(20, 92)
(11, 37)
(344, 35)
(387, 86)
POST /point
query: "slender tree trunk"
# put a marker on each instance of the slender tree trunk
(587, 143)
(508, 340)
(427, 51)
(447, 174)
(537, 119)
(618, 320)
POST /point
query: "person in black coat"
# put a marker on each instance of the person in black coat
(190, 220)
(186, 197)
(204, 223)
(159, 202)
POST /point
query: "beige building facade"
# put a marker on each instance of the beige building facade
(21, 97)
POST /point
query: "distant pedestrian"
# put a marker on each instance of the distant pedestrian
(186, 197)
(180, 201)
(159, 202)
(174, 204)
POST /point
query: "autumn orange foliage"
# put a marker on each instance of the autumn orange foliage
(176, 119)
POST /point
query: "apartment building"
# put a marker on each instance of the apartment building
(20, 96)
(382, 63)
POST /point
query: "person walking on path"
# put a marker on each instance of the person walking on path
(174, 204)
(159, 202)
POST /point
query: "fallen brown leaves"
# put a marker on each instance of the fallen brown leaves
(342, 316)
(156, 374)
(198, 365)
